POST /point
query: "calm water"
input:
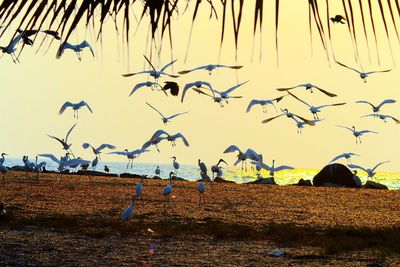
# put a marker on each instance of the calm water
(191, 172)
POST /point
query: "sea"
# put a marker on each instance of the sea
(192, 172)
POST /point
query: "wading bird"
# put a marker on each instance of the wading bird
(98, 150)
(11, 48)
(201, 187)
(315, 109)
(218, 169)
(157, 171)
(272, 169)
(371, 172)
(202, 166)
(95, 162)
(357, 134)
(264, 103)
(382, 117)
(154, 73)
(310, 87)
(75, 107)
(290, 115)
(64, 142)
(198, 85)
(363, 75)
(2, 159)
(163, 118)
(377, 108)
(168, 188)
(347, 156)
(139, 189)
(76, 48)
(152, 85)
(210, 68)
(175, 164)
(130, 155)
(338, 19)
(128, 212)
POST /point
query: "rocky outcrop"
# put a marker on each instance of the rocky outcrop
(96, 173)
(221, 180)
(337, 174)
(375, 185)
(263, 181)
(303, 182)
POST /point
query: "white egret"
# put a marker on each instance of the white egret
(2, 159)
(242, 157)
(11, 48)
(75, 107)
(225, 94)
(290, 115)
(175, 164)
(210, 68)
(172, 138)
(94, 162)
(128, 212)
(382, 117)
(272, 169)
(308, 86)
(131, 155)
(98, 150)
(64, 162)
(197, 85)
(202, 166)
(300, 124)
(218, 169)
(76, 48)
(217, 99)
(139, 189)
(363, 75)
(163, 118)
(152, 85)
(168, 188)
(347, 156)
(371, 172)
(357, 134)
(64, 142)
(377, 108)
(315, 109)
(201, 187)
(264, 103)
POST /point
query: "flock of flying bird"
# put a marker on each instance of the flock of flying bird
(221, 97)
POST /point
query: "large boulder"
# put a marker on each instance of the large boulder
(304, 182)
(337, 174)
(263, 181)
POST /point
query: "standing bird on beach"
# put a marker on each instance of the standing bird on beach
(197, 85)
(10, 49)
(315, 110)
(175, 164)
(167, 191)
(363, 75)
(272, 169)
(131, 155)
(202, 166)
(285, 112)
(64, 142)
(338, 19)
(106, 169)
(4, 171)
(76, 48)
(210, 68)
(163, 118)
(153, 72)
(157, 171)
(264, 103)
(308, 86)
(382, 117)
(95, 162)
(152, 85)
(75, 107)
(377, 108)
(218, 169)
(357, 134)
(347, 156)
(139, 189)
(128, 212)
(201, 187)
(371, 172)
(98, 150)
(2, 159)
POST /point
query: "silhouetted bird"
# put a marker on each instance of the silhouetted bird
(338, 19)
(106, 169)
(28, 33)
(173, 87)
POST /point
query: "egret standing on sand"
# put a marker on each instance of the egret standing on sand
(201, 187)
(357, 134)
(128, 212)
(168, 188)
(202, 166)
(75, 107)
(218, 169)
(175, 165)
(76, 48)
(139, 189)
(2, 159)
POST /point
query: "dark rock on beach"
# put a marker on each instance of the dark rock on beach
(375, 185)
(221, 180)
(263, 181)
(337, 174)
(96, 173)
(17, 168)
(130, 175)
(303, 182)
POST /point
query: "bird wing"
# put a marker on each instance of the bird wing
(84, 103)
(278, 98)
(225, 66)
(379, 164)
(75, 162)
(63, 46)
(138, 151)
(261, 165)
(386, 101)
(369, 115)
(396, 120)
(365, 102)
(270, 119)
(367, 131)
(105, 146)
(311, 123)
(86, 44)
(377, 71)
(50, 156)
(341, 64)
(158, 133)
(252, 103)
(155, 110)
(251, 154)
(302, 101)
(233, 88)
(330, 105)
(325, 92)
(283, 167)
(140, 85)
(204, 93)
(179, 135)
(353, 166)
(56, 138)
(176, 115)
(53, 33)
(166, 66)
(348, 128)
(287, 88)
(64, 107)
(15, 41)
(232, 148)
(187, 71)
(123, 153)
(148, 61)
(135, 73)
(337, 157)
(70, 130)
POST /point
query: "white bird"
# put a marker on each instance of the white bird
(76, 48)
(37, 167)
(98, 150)
(64, 162)
(154, 73)
(272, 169)
(2, 159)
(218, 169)
(210, 68)
(197, 85)
(168, 188)
(64, 142)
(11, 48)
(363, 75)
(202, 166)
(300, 124)
(264, 103)
(157, 171)
(166, 119)
(290, 115)
(242, 157)
(308, 86)
(347, 156)
(139, 189)
(371, 172)
(175, 164)
(315, 109)
(357, 134)
(201, 187)
(217, 99)
(152, 85)
(131, 155)
(128, 212)
(94, 162)
(225, 94)
(172, 138)
(377, 108)
(75, 107)
(382, 117)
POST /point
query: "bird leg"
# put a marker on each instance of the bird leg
(127, 166)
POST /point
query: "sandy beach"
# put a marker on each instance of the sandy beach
(69, 218)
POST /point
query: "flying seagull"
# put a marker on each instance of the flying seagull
(347, 156)
(225, 94)
(210, 68)
(382, 117)
(377, 108)
(166, 119)
(152, 85)
(288, 114)
(76, 48)
(197, 85)
(272, 169)
(64, 142)
(308, 86)
(357, 134)
(371, 172)
(75, 107)
(264, 103)
(363, 75)
(131, 155)
(10, 49)
(98, 150)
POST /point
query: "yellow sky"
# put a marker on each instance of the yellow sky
(34, 90)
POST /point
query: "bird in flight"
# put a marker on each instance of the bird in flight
(363, 75)
(382, 117)
(198, 85)
(377, 108)
(242, 157)
(173, 88)
(272, 169)
(310, 87)
(75, 107)
(64, 142)
(166, 119)
(153, 72)
(76, 48)
(29, 33)
(357, 134)
(11, 48)
(285, 112)
(315, 109)
(371, 172)
(131, 155)
(152, 85)
(264, 103)
(338, 19)
(210, 68)
(225, 94)
(347, 156)
(98, 150)
(300, 124)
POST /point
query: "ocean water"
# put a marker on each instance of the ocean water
(192, 172)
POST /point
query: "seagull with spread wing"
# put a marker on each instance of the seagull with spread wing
(300, 124)
(382, 117)
(264, 103)
(29, 33)
(11, 47)
(272, 169)
(347, 156)
(98, 150)
(64, 142)
(363, 75)
(64, 161)
(75, 107)
(131, 155)
(225, 94)
(152, 85)
(210, 68)
(308, 86)
(371, 172)
(166, 119)
(357, 134)
(76, 48)
(198, 85)
(243, 156)
(285, 112)
(377, 108)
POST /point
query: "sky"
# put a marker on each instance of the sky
(34, 90)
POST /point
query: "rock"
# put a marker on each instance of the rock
(156, 177)
(337, 174)
(263, 181)
(17, 168)
(96, 173)
(303, 182)
(331, 185)
(374, 185)
(221, 180)
(130, 175)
